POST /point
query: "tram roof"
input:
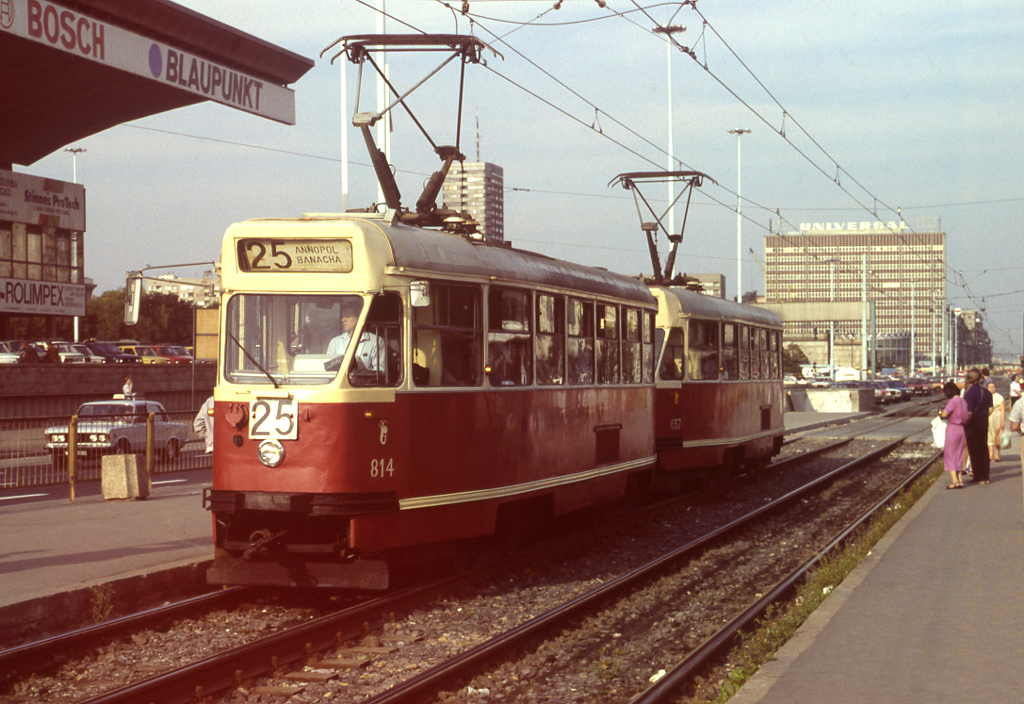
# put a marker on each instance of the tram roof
(700, 306)
(442, 252)
(52, 96)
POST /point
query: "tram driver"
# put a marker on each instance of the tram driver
(368, 350)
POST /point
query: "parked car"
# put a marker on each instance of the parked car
(889, 394)
(118, 427)
(68, 354)
(146, 353)
(90, 356)
(176, 353)
(111, 353)
(902, 391)
(918, 386)
(18, 346)
(6, 355)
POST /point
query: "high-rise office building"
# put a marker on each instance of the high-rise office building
(826, 262)
(478, 188)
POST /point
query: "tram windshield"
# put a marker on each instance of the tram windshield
(274, 339)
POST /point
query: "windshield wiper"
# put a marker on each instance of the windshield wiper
(253, 360)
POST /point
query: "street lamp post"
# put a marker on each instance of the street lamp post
(739, 132)
(668, 31)
(75, 151)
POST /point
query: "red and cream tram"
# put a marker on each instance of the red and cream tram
(385, 392)
(719, 399)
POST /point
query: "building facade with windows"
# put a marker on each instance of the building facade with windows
(478, 188)
(201, 293)
(901, 268)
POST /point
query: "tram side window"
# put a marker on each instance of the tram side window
(447, 337)
(607, 344)
(509, 342)
(766, 354)
(580, 326)
(730, 355)
(383, 336)
(776, 355)
(632, 360)
(550, 339)
(702, 354)
(755, 353)
(649, 347)
(672, 361)
(744, 352)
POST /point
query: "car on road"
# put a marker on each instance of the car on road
(146, 353)
(176, 353)
(111, 353)
(117, 427)
(6, 355)
(68, 354)
(918, 386)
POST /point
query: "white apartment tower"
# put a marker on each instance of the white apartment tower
(478, 188)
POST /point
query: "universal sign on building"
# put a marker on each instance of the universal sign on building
(89, 38)
(858, 228)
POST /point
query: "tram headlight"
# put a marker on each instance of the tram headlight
(271, 453)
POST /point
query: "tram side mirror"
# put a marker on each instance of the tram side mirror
(132, 298)
(419, 294)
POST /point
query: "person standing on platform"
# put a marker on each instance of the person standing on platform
(203, 423)
(1014, 390)
(996, 421)
(955, 415)
(979, 405)
(128, 387)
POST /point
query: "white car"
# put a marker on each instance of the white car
(118, 427)
(68, 354)
(6, 355)
(90, 356)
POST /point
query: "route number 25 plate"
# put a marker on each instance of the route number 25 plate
(273, 418)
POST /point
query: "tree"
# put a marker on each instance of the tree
(163, 318)
(792, 358)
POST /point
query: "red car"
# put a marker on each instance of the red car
(176, 353)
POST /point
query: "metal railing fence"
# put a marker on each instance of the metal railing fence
(26, 461)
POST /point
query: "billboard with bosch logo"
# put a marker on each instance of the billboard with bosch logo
(77, 33)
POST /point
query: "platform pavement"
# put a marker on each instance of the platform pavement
(51, 545)
(934, 614)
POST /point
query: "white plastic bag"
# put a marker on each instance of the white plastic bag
(939, 432)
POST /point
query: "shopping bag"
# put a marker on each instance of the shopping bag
(939, 432)
(1004, 441)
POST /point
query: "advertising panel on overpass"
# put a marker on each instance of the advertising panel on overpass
(41, 201)
(85, 37)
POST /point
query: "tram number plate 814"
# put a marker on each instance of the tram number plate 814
(273, 418)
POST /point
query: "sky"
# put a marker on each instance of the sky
(855, 110)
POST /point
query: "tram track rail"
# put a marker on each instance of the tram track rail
(419, 687)
(229, 669)
(300, 646)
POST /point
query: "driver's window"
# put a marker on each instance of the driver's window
(378, 355)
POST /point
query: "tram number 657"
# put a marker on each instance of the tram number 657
(378, 468)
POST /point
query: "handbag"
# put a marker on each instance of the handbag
(939, 432)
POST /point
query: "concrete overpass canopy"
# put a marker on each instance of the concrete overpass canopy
(78, 67)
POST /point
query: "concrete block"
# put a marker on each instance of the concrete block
(124, 478)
